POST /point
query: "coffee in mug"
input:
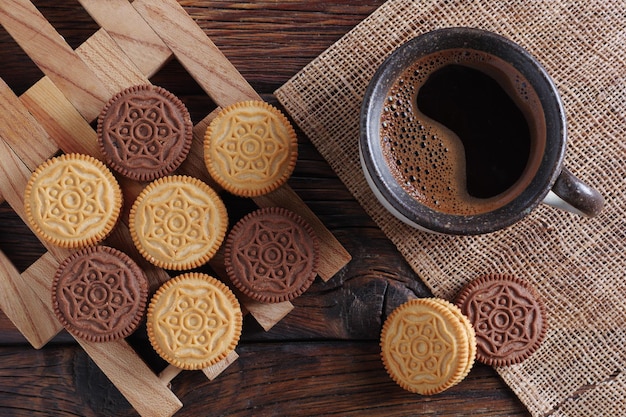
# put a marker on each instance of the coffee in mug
(462, 131)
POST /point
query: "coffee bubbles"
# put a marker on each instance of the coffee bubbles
(459, 132)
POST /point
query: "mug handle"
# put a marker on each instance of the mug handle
(571, 194)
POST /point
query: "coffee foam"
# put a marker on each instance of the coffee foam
(427, 158)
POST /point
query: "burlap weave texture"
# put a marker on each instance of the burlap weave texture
(578, 265)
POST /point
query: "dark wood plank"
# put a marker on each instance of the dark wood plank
(306, 379)
(323, 357)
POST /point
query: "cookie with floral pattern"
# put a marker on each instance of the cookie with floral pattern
(99, 294)
(145, 132)
(178, 222)
(194, 321)
(250, 148)
(508, 316)
(271, 255)
(427, 345)
(72, 201)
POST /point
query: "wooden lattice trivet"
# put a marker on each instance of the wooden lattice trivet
(135, 40)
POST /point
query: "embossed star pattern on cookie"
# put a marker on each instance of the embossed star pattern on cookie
(145, 132)
(508, 315)
(503, 315)
(99, 294)
(178, 222)
(72, 201)
(194, 321)
(250, 148)
(271, 255)
(424, 347)
(142, 129)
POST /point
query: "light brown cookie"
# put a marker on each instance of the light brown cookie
(471, 334)
(72, 201)
(250, 148)
(425, 346)
(194, 321)
(178, 222)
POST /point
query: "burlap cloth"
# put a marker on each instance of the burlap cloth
(578, 265)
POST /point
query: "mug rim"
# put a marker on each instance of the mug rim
(393, 196)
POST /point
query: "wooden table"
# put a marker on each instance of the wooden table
(323, 358)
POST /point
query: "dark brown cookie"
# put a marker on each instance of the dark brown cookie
(145, 132)
(508, 316)
(99, 294)
(271, 255)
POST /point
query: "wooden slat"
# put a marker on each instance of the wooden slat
(109, 63)
(196, 52)
(213, 371)
(194, 163)
(133, 378)
(120, 239)
(267, 315)
(133, 35)
(23, 307)
(39, 278)
(26, 308)
(20, 130)
(170, 372)
(53, 56)
(65, 125)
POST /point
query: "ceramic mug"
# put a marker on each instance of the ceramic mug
(462, 131)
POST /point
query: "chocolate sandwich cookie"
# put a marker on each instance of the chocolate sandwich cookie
(508, 316)
(145, 132)
(194, 321)
(99, 294)
(250, 148)
(271, 255)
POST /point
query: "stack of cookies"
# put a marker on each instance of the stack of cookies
(427, 345)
